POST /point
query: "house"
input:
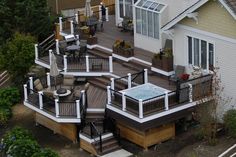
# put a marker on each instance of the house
(204, 35)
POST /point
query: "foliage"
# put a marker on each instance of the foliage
(17, 56)
(121, 43)
(46, 153)
(5, 114)
(23, 148)
(230, 122)
(12, 136)
(10, 94)
(163, 53)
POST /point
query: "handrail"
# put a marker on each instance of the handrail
(93, 127)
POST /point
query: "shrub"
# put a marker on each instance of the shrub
(5, 114)
(46, 153)
(23, 148)
(230, 122)
(11, 94)
(15, 134)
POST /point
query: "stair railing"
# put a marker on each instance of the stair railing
(94, 133)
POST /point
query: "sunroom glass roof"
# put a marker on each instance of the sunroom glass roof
(150, 5)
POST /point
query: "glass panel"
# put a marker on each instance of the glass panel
(150, 24)
(128, 8)
(141, 3)
(156, 25)
(144, 22)
(196, 52)
(211, 56)
(121, 8)
(138, 20)
(203, 54)
(160, 6)
(190, 50)
(153, 6)
(147, 4)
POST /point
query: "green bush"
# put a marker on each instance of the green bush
(230, 122)
(11, 94)
(23, 148)
(15, 134)
(46, 153)
(5, 114)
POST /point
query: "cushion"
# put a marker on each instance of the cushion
(38, 85)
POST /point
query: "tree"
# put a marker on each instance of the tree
(17, 56)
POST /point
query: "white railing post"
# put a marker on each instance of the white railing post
(57, 46)
(129, 81)
(87, 63)
(31, 84)
(48, 80)
(107, 17)
(78, 108)
(108, 95)
(71, 27)
(36, 51)
(65, 63)
(83, 97)
(190, 92)
(110, 64)
(77, 40)
(50, 56)
(25, 92)
(100, 12)
(123, 101)
(166, 101)
(140, 108)
(40, 100)
(76, 18)
(57, 107)
(60, 23)
(112, 84)
(145, 76)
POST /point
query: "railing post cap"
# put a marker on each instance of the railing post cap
(25, 85)
(40, 92)
(108, 86)
(36, 44)
(140, 100)
(112, 78)
(50, 50)
(129, 74)
(48, 73)
(56, 100)
(64, 56)
(77, 101)
(30, 77)
(166, 92)
(82, 91)
(57, 40)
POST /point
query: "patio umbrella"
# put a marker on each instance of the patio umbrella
(54, 72)
(88, 11)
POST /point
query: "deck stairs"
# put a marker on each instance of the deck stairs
(4, 79)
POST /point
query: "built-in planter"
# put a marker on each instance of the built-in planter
(163, 61)
(123, 48)
(92, 40)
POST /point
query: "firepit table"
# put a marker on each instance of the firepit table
(62, 92)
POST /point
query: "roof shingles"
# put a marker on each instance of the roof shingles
(231, 4)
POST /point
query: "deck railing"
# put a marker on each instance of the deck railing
(188, 92)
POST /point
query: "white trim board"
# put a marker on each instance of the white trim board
(228, 8)
(162, 72)
(92, 140)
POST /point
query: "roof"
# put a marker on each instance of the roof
(230, 6)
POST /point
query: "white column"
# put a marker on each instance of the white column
(71, 27)
(76, 18)
(31, 84)
(107, 17)
(129, 80)
(48, 80)
(60, 23)
(78, 108)
(50, 56)
(87, 63)
(190, 92)
(166, 101)
(77, 40)
(110, 64)
(100, 12)
(145, 76)
(65, 63)
(123, 101)
(83, 97)
(40, 100)
(36, 51)
(108, 95)
(57, 46)
(112, 84)
(57, 107)
(140, 108)
(25, 92)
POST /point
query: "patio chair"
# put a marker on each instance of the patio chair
(68, 82)
(46, 91)
(127, 24)
(179, 70)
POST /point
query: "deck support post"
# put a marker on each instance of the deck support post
(166, 101)
(123, 101)
(110, 64)
(60, 23)
(78, 108)
(190, 92)
(108, 95)
(36, 51)
(140, 108)
(25, 92)
(129, 80)
(76, 18)
(145, 76)
(57, 46)
(83, 97)
(107, 17)
(57, 107)
(50, 56)
(87, 63)
(40, 100)
(65, 63)
(49, 80)
(100, 12)
(71, 27)
(31, 84)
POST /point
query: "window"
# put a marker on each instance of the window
(121, 6)
(147, 18)
(200, 53)
(126, 8)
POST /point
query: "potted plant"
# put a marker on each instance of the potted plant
(163, 60)
(123, 48)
